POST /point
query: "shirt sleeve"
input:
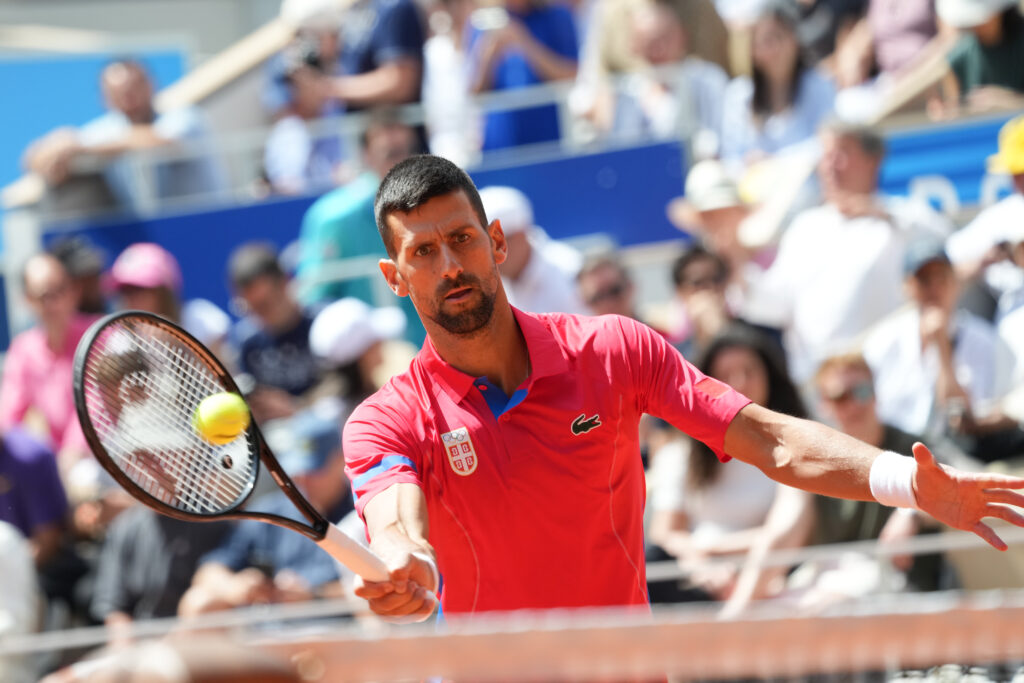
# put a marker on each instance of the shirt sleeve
(110, 593)
(379, 452)
(671, 388)
(400, 33)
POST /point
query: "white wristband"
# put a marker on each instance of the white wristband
(892, 480)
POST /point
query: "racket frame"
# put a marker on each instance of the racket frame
(318, 524)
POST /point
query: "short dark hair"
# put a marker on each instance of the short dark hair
(253, 260)
(692, 255)
(415, 181)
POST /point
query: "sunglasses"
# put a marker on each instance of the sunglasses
(861, 393)
(613, 292)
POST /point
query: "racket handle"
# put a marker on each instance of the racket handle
(350, 553)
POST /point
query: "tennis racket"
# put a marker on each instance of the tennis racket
(137, 381)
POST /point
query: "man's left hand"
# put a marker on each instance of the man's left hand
(962, 499)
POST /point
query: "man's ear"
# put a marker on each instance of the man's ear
(500, 244)
(393, 277)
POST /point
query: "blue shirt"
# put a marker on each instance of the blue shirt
(376, 32)
(281, 360)
(554, 28)
(254, 543)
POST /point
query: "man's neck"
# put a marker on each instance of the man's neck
(56, 335)
(497, 352)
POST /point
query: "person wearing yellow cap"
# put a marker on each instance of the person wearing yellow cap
(984, 249)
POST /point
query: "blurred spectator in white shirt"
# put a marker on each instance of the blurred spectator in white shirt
(784, 100)
(539, 273)
(982, 250)
(132, 124)
(939, 371)
(839, 267)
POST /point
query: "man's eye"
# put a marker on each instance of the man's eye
(462, 237)
(422, 251)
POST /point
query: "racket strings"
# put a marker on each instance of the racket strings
(142, 386)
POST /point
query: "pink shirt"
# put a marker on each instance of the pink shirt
(536, 500)
(36, 377)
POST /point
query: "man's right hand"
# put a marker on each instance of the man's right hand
(409, 595)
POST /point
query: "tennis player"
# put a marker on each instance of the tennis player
(508, 452)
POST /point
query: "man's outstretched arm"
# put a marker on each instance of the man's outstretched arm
(816, 458)
(396, 519)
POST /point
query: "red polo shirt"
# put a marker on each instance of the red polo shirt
(536, 500)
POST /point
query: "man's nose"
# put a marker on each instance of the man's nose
(450, 265)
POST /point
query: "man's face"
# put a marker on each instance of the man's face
(845, 166)
(657, 35)
(934, 285)
(446, 261)
(387, 145)
(604, 290)
(129, 91)
(700, 277)
(847, 396)
(266, 296)
(50, 292)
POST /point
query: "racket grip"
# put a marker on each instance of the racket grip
(350, 553)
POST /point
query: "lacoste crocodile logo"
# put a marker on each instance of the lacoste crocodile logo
(583, 424)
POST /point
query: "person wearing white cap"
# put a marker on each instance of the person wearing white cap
(348, 335)
(539, 272)
(985, 64)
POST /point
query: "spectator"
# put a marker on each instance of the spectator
(147, 277)
(882, 51)
(937, 367)
(702, 509)
(682, 94)
(381, 55)
(980, 251)
(610, 51)
(260, 562)
(605, 287)
(319, 30)
(20, 602)
(454, 128)
(823, 23)
(84, 263)
(844, 385)
(146, 565)
(784, 100)
(298, 158)
(31, 494)
(273, 339)
(38, 367)
(341, 225)
(348, 336)
(839, 267)
(522, 43)
(713, 209)
(985, 63)
(131, 125)
(701, 278)
(538, 272)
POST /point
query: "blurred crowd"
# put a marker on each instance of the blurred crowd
(801, 284)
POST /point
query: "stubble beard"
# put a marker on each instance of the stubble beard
(470, 321)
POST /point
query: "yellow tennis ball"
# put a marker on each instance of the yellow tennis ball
(221, 418)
